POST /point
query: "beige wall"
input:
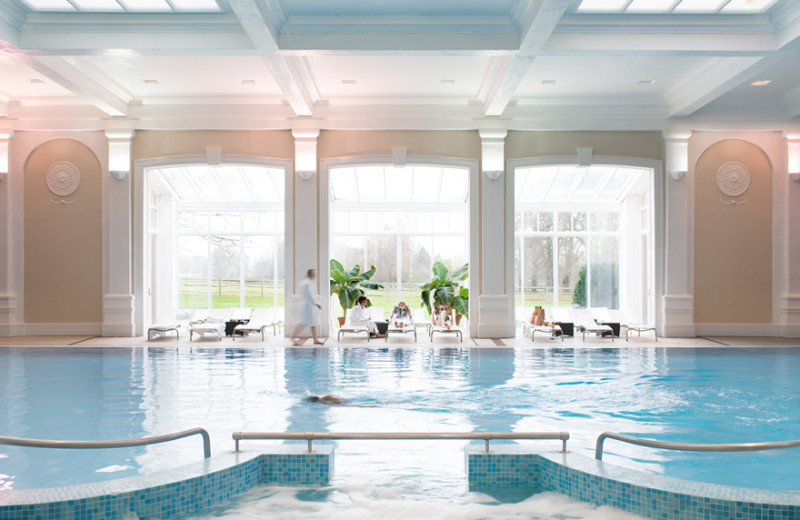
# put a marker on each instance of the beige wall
(461, 144)
(645, 145)
(264, 143)
(63, 242)
(733, 243)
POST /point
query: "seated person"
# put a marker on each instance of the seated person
(537, 318)
(359, 317)
(443, 318)
(401, 316)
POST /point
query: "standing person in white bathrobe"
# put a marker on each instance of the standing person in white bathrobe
(309, 312)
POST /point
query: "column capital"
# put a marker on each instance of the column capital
(305, 134)
(676, 135)
(120, 135)
(492, 134)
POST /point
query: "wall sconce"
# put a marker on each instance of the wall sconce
(493, 175)
(795, 176)
(119, 174)
(305, 174)
(677, 174)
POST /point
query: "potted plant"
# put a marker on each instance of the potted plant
(350, 285)
(444, 289)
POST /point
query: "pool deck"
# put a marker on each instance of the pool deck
(402, 341)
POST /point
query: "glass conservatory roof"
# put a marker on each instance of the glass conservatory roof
(676, 6)
(161, 6)
(570, 183)
(225, 183)
(408, 184)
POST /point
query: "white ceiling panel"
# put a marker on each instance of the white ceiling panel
(380, 76)
(186, 75)
(603, 77)
(19, 81)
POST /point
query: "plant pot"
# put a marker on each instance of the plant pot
(341, 321)
(458, 320)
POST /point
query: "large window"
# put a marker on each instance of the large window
(582, 237)
(401, 220)
(218, 237)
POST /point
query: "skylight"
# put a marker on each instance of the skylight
(228, 183)
(676, 6)
(569, 184)
(409, 184)
(137, 6)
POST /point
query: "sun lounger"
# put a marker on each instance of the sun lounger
(582, 318)
(214, 324)
(260, 320)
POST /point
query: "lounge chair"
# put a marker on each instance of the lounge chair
(260, 320)
(582, 318)
(277, 321)
(444, 330)
(632, 325)
(213, 324)
(553, 331)
(162, 329)
(408, 329)
(349, 328)
(420, 318)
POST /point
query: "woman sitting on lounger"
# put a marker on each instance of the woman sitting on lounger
(401, 316)
(359, 317)
(444, 319)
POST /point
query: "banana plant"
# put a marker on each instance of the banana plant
(444, 289)
(349, 285)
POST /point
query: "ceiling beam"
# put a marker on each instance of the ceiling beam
(261, 20)
(541, 20)
(712, 80)
(792, 99)
(68, 74)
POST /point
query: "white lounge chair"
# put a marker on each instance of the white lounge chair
(420, 318)
(444, 330)
(162, 329)
(349, 328)
(241, 313)
(277, 320)
(214, 324)
(408, 329)
(260, 320)
(638, 328)
(582, 318)
(554, 331)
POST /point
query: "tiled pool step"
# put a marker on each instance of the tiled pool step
(190, 488)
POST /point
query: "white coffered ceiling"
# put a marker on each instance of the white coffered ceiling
(415, 64)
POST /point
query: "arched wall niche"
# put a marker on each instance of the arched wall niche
(733, 238)
(63, 280)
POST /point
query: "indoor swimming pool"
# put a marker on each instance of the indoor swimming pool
(718, 395)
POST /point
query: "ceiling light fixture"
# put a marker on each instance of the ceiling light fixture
(248, 82)
(761, 83)
(349, 82)
(150, 81)
(448, 81)
(548, 82)
(646, 82)
(36, 80)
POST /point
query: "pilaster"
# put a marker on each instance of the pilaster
(678, 299)
(306, 213)
(788, 187)
(118, 299)
(495, 316)
(8, 304)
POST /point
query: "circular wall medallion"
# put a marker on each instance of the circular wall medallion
(63, 178)
(733, 179)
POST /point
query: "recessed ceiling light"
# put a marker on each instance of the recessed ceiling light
(150, 81)
(646, 82)
(36, 80)
(349, 82)
(248, 82)
(761, 82)
(448, 81)
(548, 82)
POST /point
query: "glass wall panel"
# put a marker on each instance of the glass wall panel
(535, 272)
(604, 282)
(193, 272)
(571, 259)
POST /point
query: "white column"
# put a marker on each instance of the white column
(8, 305)
(495, 316)
(678, 308)
(118, 300)
(306, 217)
(789, 186)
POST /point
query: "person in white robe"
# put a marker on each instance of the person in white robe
(309, 310)
(360, 317)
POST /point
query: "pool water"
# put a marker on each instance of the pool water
(685, 395)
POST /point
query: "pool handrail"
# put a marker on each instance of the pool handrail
(484, 436)
(43, 443)
(684, 446)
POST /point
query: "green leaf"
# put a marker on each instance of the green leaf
(439, 271)
(336, 266)
(462, 273)
(461, 306)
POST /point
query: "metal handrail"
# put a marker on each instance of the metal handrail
(650, 443)
(485, 436)
(42, 443)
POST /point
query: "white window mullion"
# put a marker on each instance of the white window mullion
(556, 278)
(399, 274)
